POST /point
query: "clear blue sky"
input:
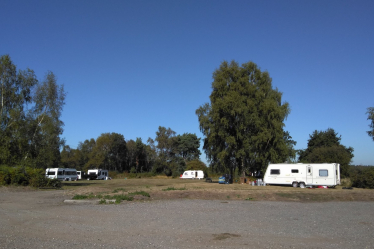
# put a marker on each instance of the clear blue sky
(132, 66)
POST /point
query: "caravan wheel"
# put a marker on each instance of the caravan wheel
(294, 184)
(302, 185)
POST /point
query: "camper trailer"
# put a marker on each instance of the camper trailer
(302, 175)
(81, 175)
(63, 174)
(97, 174)
(192, 174)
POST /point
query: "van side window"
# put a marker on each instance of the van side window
(275, 172)
(323, 172)
(294, 171)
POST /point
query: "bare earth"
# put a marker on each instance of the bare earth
(200, 215)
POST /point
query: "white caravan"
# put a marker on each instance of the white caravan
(81, 175)
(302, 175)
(63, 174)
(99, 174)
(192, 174)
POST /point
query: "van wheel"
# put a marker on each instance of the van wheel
(302, 185)
(294, 184)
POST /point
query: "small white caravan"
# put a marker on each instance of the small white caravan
(99, 174)
(192, 174)
(302, 175)
(81, 175)
(63, 174)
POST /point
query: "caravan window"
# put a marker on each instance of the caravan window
(323, 172)
(51, 173)
(275, 172)
(294, 171)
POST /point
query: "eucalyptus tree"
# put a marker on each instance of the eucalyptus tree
(243, 124)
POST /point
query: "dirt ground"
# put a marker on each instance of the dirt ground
(192, 215)
(195, 189)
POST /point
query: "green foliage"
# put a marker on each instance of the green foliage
(109, 153)
(172, 188)
(325, 147)
(21, 176)
(243, 124)
(370, 112)
(197, 165)
(362, 176)
(143, 193)
(188, 146)
(29, 136)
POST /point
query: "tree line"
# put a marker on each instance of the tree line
(242, 124)
(167, 154)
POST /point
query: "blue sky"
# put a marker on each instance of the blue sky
(132, 66)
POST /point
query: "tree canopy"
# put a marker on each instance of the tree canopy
(30, 111)
(370, 113)
(243, 124)
(325, 147)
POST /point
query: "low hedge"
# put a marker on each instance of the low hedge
(25, 176)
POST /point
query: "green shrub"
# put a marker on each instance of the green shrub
(143, 193)
(362, 176)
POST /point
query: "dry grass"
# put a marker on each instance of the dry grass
(195, 189)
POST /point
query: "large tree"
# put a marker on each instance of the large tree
(325, 147)
(188, 146)
(243, 124)
(370, 113)
(110, 152)
(30, 125)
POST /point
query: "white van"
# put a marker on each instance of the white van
(97, 174)
(63, 174)
(192, 174)
(302, 175)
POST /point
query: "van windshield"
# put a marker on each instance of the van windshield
(51, 173)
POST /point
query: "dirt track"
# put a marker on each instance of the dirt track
(40, 219)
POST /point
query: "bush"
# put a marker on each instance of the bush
(362, 176)
(26, 177)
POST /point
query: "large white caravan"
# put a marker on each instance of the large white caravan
(63, 174)
(192, 174)
(99, 174)
(311, 174)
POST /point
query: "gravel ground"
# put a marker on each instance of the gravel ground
(41, 219)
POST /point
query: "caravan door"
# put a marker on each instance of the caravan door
(309, 174)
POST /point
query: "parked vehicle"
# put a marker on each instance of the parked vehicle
(97, 174)
(81, 175)
(225, 179)
(63, 174)
(302, 175)
(192, 174)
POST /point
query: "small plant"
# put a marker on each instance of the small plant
(249, 199)
(80, 197)
(118, 189)
(228, 197)
(102, 201)
(143, 193)
(172, 188)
